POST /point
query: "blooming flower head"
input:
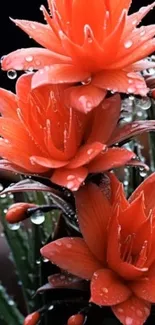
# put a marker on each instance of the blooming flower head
(96, 47)
(39, 135)
(117, 252)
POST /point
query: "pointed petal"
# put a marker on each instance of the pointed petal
(48, 162)
(94, 212)
(41, 33)
(130, 130)
(117, 195)
(109, 112)
(65, 251)
(84, 98)
(23, 87)
(115, 8)
(132, 218)
(124, 269)
(8, 104)
(32, 58)
(87, 16)
(132, 311)
(70, 178)
(148, 188)
(111, 158)
(138, 54)
(121, 81)
(85, 154)
(58, 73)
(144, 288)
(107, 289)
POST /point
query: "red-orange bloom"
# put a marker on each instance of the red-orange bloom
(40, 135)
(96, 44)
(118, 250)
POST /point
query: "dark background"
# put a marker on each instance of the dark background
(12, 38)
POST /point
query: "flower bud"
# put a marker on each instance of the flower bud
(18, 212)
(77, 319)
(153, 93)
(32, 319)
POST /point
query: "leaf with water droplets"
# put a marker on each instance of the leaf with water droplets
(127, 131)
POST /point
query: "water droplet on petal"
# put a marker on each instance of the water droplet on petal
(105, 290)
(12, 74)
(70, 185)
(29, 58)
(70, 177)
(129, 321)
(90, 151)
(128, 44)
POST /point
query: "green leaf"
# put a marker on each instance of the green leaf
(8, 309)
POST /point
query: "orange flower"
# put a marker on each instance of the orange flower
(118, 250)
(41, 136)
(95, 46)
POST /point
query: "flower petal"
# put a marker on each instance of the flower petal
(70, 178)
(94, 211)
(112, 158)
(59, 73)
(130, 224)
(139, 53)
(133, 311)
(144, 288)
(107, 289)
(65, 251)
(124, 269)
(8, 104)
(117, 195)
(47, 162)
(84, 98)
(41, 33)
(148, 188)
(109, 112)
(31, 58)
(121, 81)
(85, 154)
(23, 87)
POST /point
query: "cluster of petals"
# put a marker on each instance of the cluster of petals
(39, 135)
(78, 41)
(117, 251)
